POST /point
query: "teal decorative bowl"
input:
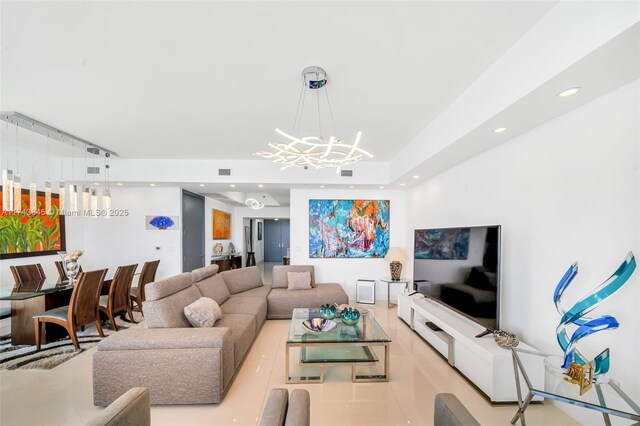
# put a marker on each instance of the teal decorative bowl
(350, 316)
(328, 311)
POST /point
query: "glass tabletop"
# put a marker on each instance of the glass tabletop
(366, 330)
(29, 289)
(606, 395)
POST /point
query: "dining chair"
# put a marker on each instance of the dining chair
(148, 275)
(60, 268)
(82, 309)
(24, 273)
(118, 298)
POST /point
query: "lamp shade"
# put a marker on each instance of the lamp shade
(395, 254)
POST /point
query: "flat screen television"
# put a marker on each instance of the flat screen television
(460, 268)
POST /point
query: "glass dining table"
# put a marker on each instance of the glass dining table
(31, 298)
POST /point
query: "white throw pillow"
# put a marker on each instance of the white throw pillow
(299, 280)
(204, 312)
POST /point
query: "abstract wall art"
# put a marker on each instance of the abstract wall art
(348, 228)
(162, 223)
(221, 225)
(36, 233)
(442, 244)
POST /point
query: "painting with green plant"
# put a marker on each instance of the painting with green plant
(31, 233)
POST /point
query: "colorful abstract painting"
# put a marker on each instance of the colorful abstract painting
(348, 228)
(221, 225)
(442, 244)
(36, 234)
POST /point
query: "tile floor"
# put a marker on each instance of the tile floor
(64, 395)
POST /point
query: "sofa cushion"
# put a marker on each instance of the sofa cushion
(214, 288)
(168, 312)
(280, 274)
(243, 331)
(242, 279)
(256, 306)
(204, 312)
(205, 272)
(299, 280)
(281, 301)
(168, 286)
(262, 292)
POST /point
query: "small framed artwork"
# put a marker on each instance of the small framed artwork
(221, 225)
(259, 231)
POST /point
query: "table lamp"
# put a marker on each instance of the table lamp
(395, 255)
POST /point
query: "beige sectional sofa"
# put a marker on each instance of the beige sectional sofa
(184, 365)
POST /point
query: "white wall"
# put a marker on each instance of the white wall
(209, 205)
(346, 271)
(567, 190)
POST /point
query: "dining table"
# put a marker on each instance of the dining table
(31, 298)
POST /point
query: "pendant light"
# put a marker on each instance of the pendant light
(94, 194)
(7, 178)
(106, 195)
(33, 185)
(17, 184)
(47, 185)
(73, 188)
(86, 195)
(61, 189)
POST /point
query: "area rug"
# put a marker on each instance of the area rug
(55, 353)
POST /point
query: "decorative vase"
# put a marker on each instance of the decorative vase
(328, 311)
(217, 249)
(396, 270)
(350, 316)
(70, 264)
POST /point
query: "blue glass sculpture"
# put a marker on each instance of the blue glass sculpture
(162, 222)
(576, 315)
(350, 316)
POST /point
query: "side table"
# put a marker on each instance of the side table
(389, 281)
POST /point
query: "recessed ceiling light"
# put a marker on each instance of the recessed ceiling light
(500, 130)
(569, 92)
(152, 184)
(321, 186)
(260, 186)
(351, 187)
(202, 184)
(119, 183)
(96, 183)
(402, 184)
(416, 177)
(275, 219)
(232, 185)
(381, 187)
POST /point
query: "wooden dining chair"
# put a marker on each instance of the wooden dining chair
(60, 268)
(24, 273)
(148, 275)
(118, 298)
(82, 309)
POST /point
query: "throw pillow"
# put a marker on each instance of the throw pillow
(204, 312)
(299, 280)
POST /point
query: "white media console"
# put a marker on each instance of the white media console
(480, 360)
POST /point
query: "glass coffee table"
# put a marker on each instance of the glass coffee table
(606, 397)
(352, 345)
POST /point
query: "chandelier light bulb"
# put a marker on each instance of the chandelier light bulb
(47, 197)
(73, 198)
(86, 195)
(33, 197)
(106, 203)
(61, 198)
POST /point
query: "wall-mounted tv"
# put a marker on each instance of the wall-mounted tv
(460, 268)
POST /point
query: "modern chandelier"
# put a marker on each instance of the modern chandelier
(316, 150)
(12, 191)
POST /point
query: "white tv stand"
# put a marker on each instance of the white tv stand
(480, 360)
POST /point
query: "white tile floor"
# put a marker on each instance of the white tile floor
(64, 395)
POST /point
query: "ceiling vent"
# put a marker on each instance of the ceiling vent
(224, 172)
(93, 170)
(346, 173)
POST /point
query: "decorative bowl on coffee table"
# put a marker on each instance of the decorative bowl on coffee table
(318, 325)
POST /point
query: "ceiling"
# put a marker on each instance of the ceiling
(211, 80)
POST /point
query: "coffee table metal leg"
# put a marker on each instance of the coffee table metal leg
(300, 379)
